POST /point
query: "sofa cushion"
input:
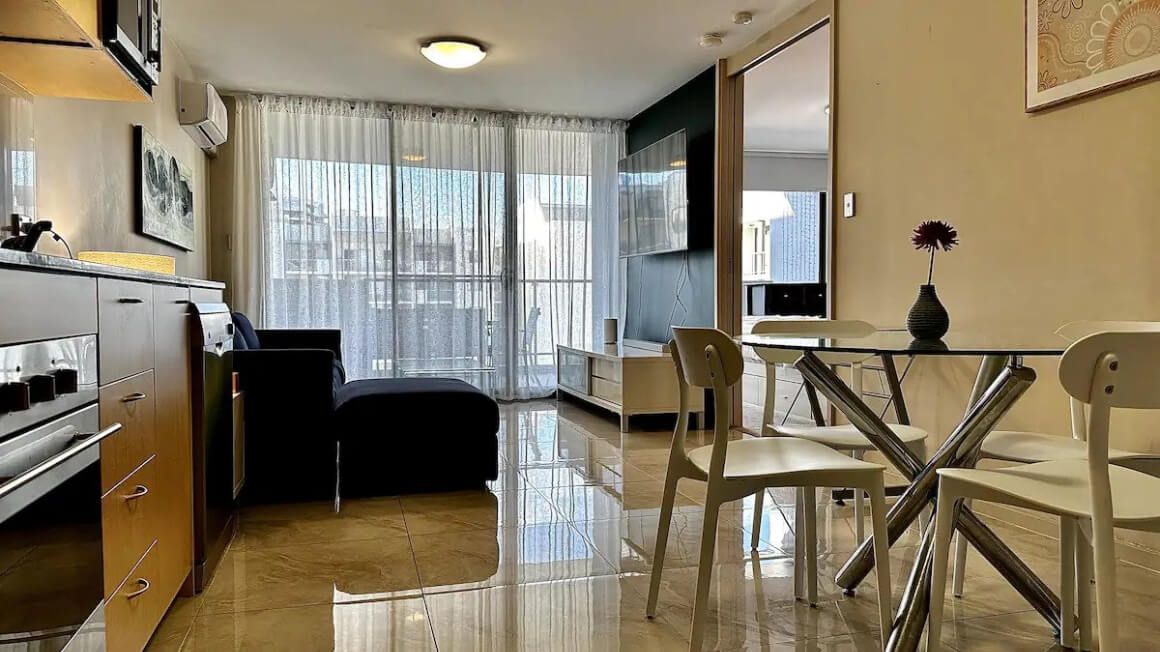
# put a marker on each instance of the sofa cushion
(245, 337)
(407, 408)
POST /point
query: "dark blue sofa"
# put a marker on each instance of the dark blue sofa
(309, 432)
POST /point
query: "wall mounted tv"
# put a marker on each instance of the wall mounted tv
(654, 198)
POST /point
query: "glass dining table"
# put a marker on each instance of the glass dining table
(1001, 381)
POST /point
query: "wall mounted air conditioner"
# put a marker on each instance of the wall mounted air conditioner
(202, 114)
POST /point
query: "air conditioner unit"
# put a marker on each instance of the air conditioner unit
(202, 114)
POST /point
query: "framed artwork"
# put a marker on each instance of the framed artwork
(164, 193)
(1076, 48)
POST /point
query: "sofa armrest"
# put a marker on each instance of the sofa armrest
(302, 338)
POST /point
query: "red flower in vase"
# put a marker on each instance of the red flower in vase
(933, 235)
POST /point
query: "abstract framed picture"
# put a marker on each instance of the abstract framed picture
(164, 193)
(1076, 48)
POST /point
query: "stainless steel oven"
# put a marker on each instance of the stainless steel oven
(51, 580)
(131, 30)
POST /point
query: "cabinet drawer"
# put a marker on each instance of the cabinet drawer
(43, 306)
(606, 369)
(135, 608)
(129, 402)
(124, 328)
(128, 516)
(606, 390)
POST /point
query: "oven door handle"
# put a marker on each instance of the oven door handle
(56, 460)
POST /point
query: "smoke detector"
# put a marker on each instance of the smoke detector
(742, 18)
(712, 40)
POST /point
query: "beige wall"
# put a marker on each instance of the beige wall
(85, 169)
(1058, 212)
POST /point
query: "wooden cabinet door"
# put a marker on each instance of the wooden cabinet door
(124, 328)
(171, 322)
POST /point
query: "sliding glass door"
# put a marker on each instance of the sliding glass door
(458, 244)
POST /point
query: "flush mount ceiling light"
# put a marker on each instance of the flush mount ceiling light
(712, 40)
(453, 53)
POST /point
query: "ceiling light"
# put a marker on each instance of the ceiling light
(742, 18)
(677, 163)
(453, 52)
(712, 40)
(413, 158)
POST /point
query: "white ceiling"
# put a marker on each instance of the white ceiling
(598, 58)
(786, 96)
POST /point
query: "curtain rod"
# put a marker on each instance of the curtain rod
(436, 111)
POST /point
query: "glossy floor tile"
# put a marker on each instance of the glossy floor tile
(557, 554)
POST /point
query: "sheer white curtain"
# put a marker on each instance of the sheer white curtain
(565, 253)
(442, 242)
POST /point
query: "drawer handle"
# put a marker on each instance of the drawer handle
(138, 492)
(141, 582)
(130, 300)
(135, 396)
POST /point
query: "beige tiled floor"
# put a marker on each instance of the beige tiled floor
(557, 555)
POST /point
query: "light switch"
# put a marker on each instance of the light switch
(848, 204)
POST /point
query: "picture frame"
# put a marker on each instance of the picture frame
(165, 194)
(1079, 48)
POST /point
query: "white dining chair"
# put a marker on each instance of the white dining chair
(845, 438)
(1101, 371)
(1025, 447)
(708, 358)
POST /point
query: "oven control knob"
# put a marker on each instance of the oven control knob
(14, 397)
(66, 380)
(41, 388)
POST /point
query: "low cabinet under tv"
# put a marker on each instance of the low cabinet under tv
(631, 379)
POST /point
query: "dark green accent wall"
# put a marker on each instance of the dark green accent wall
(663, 290)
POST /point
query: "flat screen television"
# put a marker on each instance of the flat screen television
(654, 198)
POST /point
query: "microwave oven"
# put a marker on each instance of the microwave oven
(131, 31)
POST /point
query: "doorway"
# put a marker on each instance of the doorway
(775, 133)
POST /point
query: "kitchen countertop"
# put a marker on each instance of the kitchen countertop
(59, 264)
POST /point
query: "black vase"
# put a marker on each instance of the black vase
(927, 319)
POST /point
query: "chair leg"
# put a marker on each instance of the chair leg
(1083, 584)
(859, 506)
(1067, 581)
(960, 560)
(799, 547)
(1103, 542)
(755, 536)
(881, 554)
(666, 516)
(704, 569)
(810, 507)
(943, 528)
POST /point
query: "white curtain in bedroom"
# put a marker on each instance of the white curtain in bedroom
(442, 242)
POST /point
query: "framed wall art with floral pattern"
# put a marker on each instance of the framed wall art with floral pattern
(1077, 48)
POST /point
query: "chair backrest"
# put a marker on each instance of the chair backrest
(705, 357)
(1077, 329)
(696, 347)
(1110, 370)
(808, 327)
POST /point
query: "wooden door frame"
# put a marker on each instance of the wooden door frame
(729, 162)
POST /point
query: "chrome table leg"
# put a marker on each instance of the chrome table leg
(997, 388)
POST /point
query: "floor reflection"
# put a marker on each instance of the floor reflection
(556, 555)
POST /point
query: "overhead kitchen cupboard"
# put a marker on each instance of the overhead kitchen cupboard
(92, 49)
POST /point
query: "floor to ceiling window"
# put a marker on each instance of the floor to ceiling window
(442, 242)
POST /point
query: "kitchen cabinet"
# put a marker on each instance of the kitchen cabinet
(54, 48)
